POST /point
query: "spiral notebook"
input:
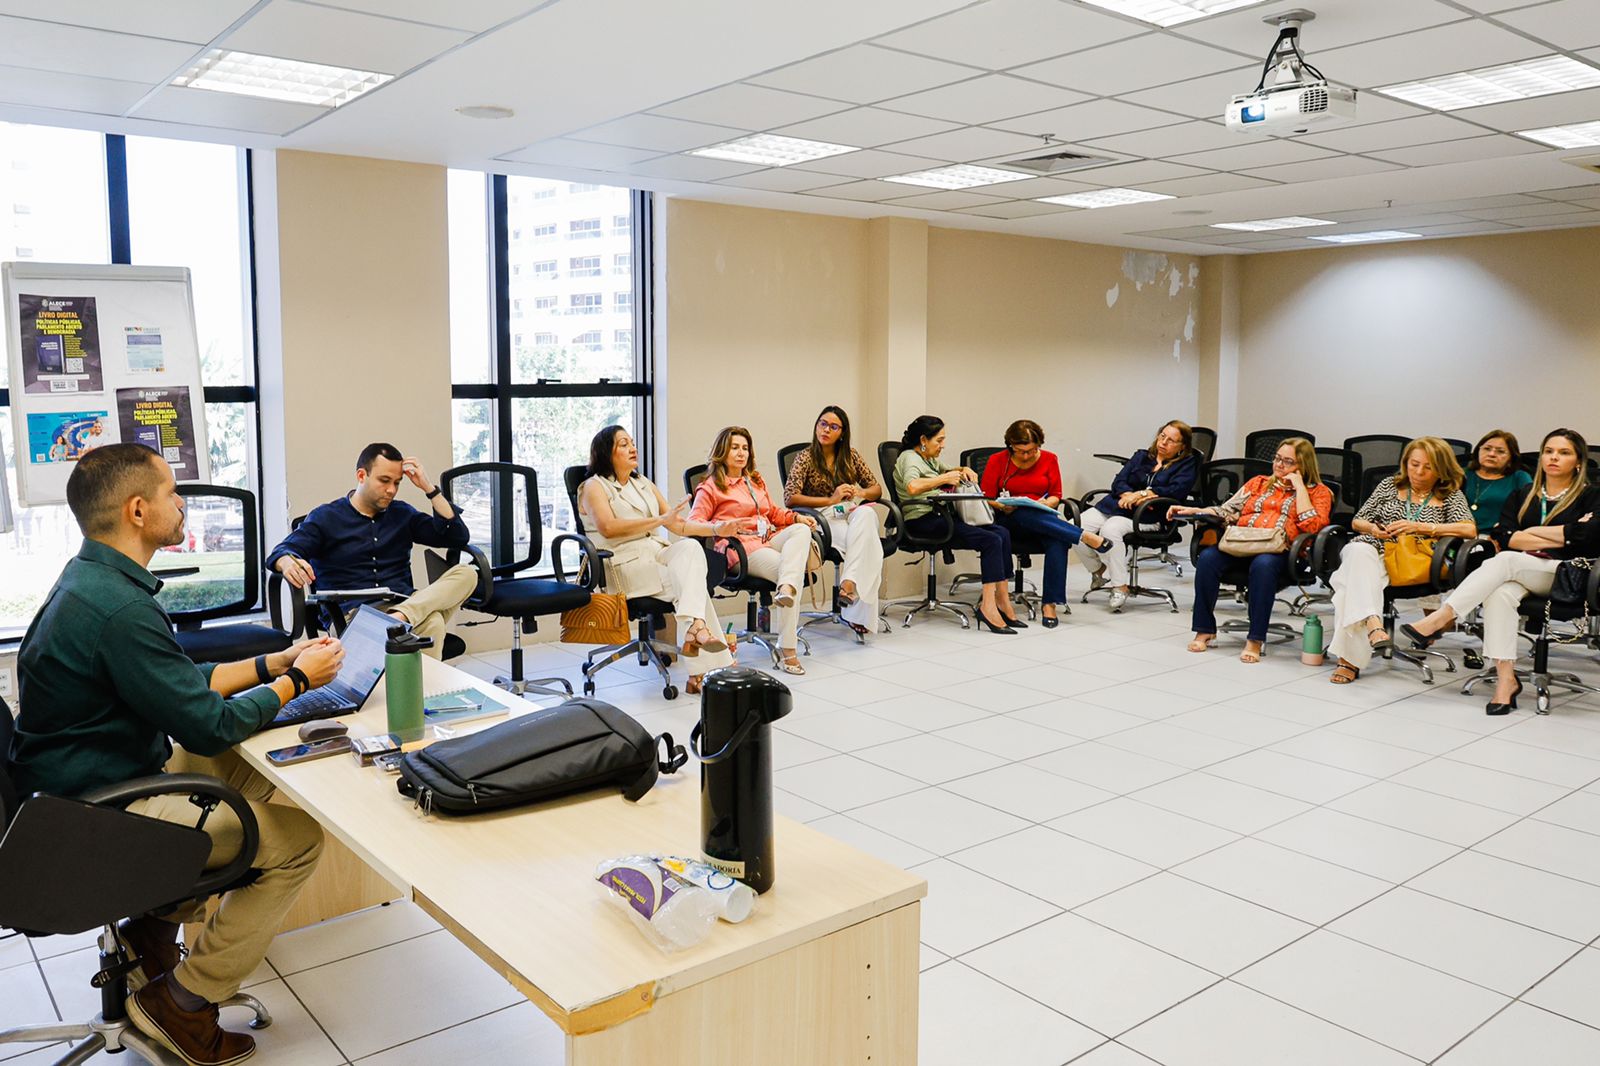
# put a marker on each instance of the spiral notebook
(461, 705)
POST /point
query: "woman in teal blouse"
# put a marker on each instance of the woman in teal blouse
(1493, 476)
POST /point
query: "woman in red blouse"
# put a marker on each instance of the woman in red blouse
(1292, 499)
(1025, 470)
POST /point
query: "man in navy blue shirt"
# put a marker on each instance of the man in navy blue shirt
(364, 539)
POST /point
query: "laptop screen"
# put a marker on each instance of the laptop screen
(363, 640)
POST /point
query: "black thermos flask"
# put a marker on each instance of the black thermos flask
(733, 741)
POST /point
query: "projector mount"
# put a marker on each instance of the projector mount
(1291, 63)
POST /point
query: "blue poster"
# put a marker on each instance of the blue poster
(64, 436)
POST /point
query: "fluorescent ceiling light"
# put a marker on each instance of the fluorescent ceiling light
(1263, 224)
(1495, 85)
(279, 79)
(1581, 135)
(1363, 238)
(771, 150)
(1104, 198)
(961, 176)
(1170, 12)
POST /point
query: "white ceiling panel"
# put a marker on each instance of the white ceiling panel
(865, 74)
(1575, 192)
(866, 127)
(293, 30)
(95, 53)
(949, 200)
(1205, 185)
(690, 168)
(750, 107)
(1541, 111)
(1135, 175)
(1205, 97)
(473, 15)
(1544, 210)
(989, 98)
(68, 92)
(1489, 7)
(870, 164)
(1409, 56)
(1169, 141)
(1251, 155)
(783, 179)
(1464, 229)
(1473, 205)
(1373, 107)
(1589, 218)
(1566, 24)
(195, 21)
(1127, 66)
(588, 155)
(1031, 188)
(864, 190)
(1007, 33)
(1493, 146)
(1091, 120)
(1016, 209)
(1338, 22)
(197, 107)
(1339, 166)
(662, 134)
(1401, 133)
(966, 145)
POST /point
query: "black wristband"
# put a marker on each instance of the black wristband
(435, 492)
(301, 684)
(263, 674)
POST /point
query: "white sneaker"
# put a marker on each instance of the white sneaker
(1118, 598)
(1098, 579)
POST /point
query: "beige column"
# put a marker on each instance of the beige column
(1221, 330)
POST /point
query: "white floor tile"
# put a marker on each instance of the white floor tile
(1545, 731)
(842, 782)
(798, 807)
(1458, 940)
(965, 909)
(1356, 754)
(1220, 802)
(872, 841)
(1553, 848)
(1426, 813)
(350, 934)
(293, 1036)
(846, 729)
(852, 689)
(1196, 689)
(1518, 893)
(45, 947)
(1089, 973)
(921, 674)
(1113, 1054)
(1242, 727)
(1146, 700)
(1232, 1026)
(1581, 810)
(1386, 727)
(14, 952)
(1027, 792)
(1523, 1034)
(1014, 1030)
(1008, 737)
(1079, 719)
(995, 693)
(1149, 834)
(518, 1033)
(1570, 991)
(929, 758)
(927, 959)
(1408, 1007)
(939, 821)
(923, 711)
(1057, 681)
(790, 750)
(1053, 866)
(1197, 924)
(1285, 881)
(1097, 763)
(1169, 743)
(1300, 710)
(1290, 776)
(1364, 694)
(1540, 764)
(1475, 784)
(24, 1001)
(1359, 844)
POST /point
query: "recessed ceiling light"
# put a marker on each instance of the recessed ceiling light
(961, 176)
(1581, 135)
(1263, 224)
(1170, 12)
(1104, 198)
(1494, 85)
(771, 150)
(490, 111)
(272, 78)
(1363, 238)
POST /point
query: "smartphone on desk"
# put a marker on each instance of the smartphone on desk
(306, 752)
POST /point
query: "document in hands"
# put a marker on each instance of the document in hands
(1023, 501)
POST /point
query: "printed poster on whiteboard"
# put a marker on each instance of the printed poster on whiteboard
(102, 354)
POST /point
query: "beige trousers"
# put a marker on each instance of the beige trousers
(685, 563)
(783, 562)
(1113, 528)
(1500, 584)
(1358, 587)
(856, 537)
(234, 940)
(430, 609)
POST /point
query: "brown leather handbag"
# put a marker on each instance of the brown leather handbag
(603, 620)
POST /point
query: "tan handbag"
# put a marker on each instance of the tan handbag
(1245, 541)
(603, 620)
(1409, 560)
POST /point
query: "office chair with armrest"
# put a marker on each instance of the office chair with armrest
(220, 517)
(889, 538)
(1463, 449)
(1208, 529)
(1368, 452)
(942, 543)
(71, 865)
(1023, 546)
(1219, 479)
(1263, 443)
(505, 588)
(1204, 441)
(1154, 534)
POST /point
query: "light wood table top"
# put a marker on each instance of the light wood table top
(518, 886)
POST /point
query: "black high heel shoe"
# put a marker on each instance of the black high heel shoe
(982, 622)
(1014, 623)
(1419, 640)
(1504, 708)
(1048, 621)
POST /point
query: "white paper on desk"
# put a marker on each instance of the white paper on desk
(1023, 501)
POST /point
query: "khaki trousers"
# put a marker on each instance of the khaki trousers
(1358, 587)
(783, 562)
(856, 538)
(430, 609)
(234, 939)
(1500, 585)
(1113, 528)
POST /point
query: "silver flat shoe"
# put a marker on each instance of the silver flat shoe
(1118, 599)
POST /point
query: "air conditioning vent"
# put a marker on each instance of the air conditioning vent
(1587, 162)
(1056, 162)
(1314, 101)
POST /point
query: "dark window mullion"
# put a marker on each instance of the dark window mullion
(117, 198)
(501, 510)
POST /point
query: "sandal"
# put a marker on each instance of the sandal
(1344, 673)
(784, 599)
(790, 664)
(1249, 656)
(859, 629)
(691, 687)
(709, 642)
(1383, 643)
(1202, 642)
(847, 599)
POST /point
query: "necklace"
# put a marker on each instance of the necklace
(1545, 500)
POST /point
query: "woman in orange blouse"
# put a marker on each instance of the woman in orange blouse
(1292, 499)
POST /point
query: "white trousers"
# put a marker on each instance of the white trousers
(856, 538)
(1113, 528)
(1358, 587)
(783, 562)
(685, 563)
(1499, 585)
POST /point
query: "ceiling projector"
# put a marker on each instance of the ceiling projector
(1299, 96)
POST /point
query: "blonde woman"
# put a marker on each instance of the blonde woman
(1424, 499)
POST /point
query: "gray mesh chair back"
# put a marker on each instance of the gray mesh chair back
(1263, 443)
(1364, 453)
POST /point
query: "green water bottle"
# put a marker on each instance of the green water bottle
(1311, 641)
(402, 669)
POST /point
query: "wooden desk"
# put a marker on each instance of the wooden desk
(825, 971)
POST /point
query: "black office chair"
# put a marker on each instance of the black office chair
(1220, 478)
(487, 496)
(1463, 449)
(649, 612)
(1204, 441)
(1371, 451)
(71, 865)
(1023, 546)
(1263, 443)
(1372, 477)
(1151, 539)
(1208, 529)
(942, 543)
(889, 538)
(221, 520)
(1331, 461)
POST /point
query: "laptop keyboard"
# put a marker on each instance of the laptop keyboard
(318, 703)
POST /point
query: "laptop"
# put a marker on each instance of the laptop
(364, 639)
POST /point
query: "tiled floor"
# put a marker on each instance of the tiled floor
(1135, 855)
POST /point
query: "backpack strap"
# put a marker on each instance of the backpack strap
(675, 759)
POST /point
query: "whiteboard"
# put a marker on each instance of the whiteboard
(100, 354)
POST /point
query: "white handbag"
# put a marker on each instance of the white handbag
(973, 512)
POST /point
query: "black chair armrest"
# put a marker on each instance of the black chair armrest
(1462, 556)
(741, 565)
(207, 792)
(1070, 510)
(1153, 512)
(591, 558)
(1591, 590)
(824, 533)
(1326, 547)
(1120, 460)
(892, 526)
(1204, 523)
(298, 615)
(1092, 497)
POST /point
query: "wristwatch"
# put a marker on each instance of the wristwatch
(435, 492)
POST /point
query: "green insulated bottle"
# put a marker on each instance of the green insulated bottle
(1311, 641)
(402, 670)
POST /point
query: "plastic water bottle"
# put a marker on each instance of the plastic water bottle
(1311, 641)
(671, 912)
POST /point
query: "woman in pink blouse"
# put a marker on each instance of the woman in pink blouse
(776, 539)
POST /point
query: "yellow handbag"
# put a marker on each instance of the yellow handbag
(1409, 560)
(603, 620)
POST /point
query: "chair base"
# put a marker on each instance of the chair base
(1545, 684)
(1277, 632)
(1135, 591)
(822, 618)
(522, 687)
(649, 652)
(930, 602)
(1419, 659)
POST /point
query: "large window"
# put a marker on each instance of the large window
(563, 357)
(71, 196)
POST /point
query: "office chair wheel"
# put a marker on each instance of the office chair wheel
(588, 688)
(670, 692)
(1542, 704)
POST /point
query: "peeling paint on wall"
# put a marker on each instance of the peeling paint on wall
(1112, 295)
(1174, 281)
(1188, 326)
(1194, 273)
(1143, 268)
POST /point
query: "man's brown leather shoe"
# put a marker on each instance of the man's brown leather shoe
(197, 1037)
(151, 942)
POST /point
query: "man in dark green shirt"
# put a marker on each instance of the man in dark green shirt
(103, 685)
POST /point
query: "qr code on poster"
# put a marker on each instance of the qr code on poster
(171, 455)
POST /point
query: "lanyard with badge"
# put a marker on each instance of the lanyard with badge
(761, 519)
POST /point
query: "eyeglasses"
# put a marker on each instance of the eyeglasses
(1024, 449)
(831, 427)
(1278, 460)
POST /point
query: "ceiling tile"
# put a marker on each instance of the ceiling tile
(1249, 156)
(864, 190)
(1205, 97)
(1338, 22)
(1280, 244)
(290, 29)
(985, 99)
(1574, 192)
(690, 168)
(750, 107)
(68, 92)
(864, 74)
(1401, 133)
(1474, 204)
(195, 21)
(1489, 7)
(1558, 222)
(1339, 166)
(197, 107)
(1205, 185)
(966, 145)
(1546, 209)
(783, 179)
(1135, 175)
(1493, 146)
(1031, 188)
(949, 200)
(1464, 229)
(1409, 56)
(1017, 209)
(95, 53)
(654, 131)
(1557, 110)
(1085, 122)
(870, 164)
(866, 127)
(586, 155)
(1566, 24)
(1007, 33)
(1173, 140)
(1126, 66)
(1415, 220)
(474, 15)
